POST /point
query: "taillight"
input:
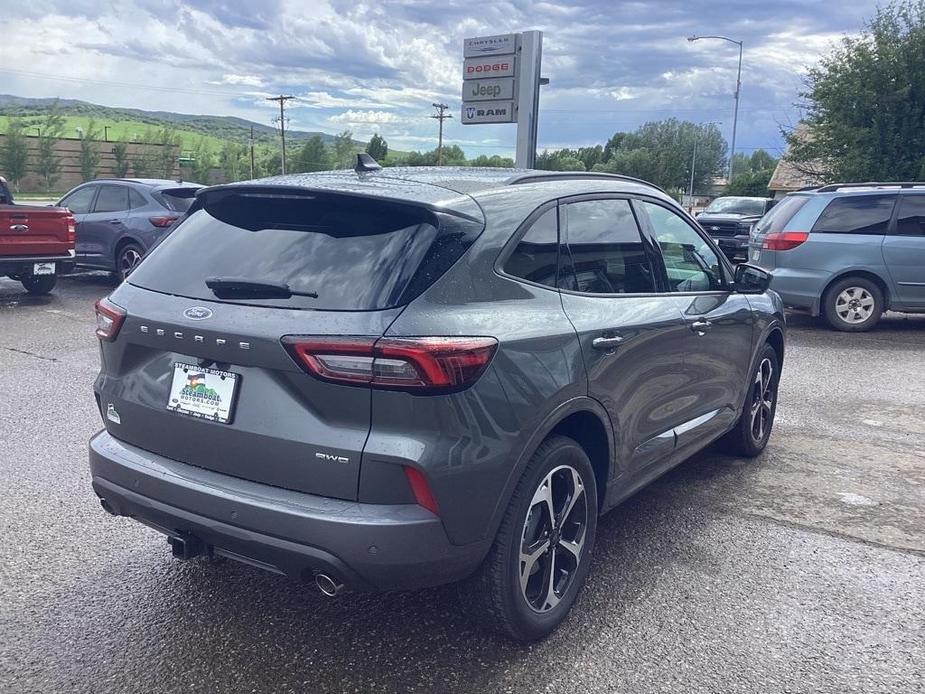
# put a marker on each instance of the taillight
(71, 229)
(784, 240)
(420, 489)
(109, 319)
(415, 364)
(162, 222)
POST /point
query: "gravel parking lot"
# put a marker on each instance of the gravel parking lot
(802, 571)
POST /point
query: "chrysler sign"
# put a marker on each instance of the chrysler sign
(505, 44)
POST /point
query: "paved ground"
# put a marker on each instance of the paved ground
(803, 571)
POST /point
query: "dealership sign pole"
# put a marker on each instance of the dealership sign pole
(501, 84)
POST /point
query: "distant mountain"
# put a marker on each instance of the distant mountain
(221, 127)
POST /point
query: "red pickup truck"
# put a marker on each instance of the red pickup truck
(36, 243)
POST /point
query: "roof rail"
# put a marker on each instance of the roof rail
(541, 176)
(832, 187)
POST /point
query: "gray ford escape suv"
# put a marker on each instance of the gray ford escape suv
(387, 379)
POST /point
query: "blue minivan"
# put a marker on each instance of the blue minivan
(847, 252)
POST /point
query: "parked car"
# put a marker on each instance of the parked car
(847, 252)
(36, 243)
(730, 220)
(400, 378)
(119, 219)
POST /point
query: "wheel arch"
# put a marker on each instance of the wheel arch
(881, 282)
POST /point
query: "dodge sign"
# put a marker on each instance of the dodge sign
(478, 68)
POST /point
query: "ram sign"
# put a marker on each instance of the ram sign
(488, 112)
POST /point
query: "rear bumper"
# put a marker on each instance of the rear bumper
(22, 265)
(799, 287)
(366, 546)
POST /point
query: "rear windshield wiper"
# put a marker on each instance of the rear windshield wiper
(240, 288)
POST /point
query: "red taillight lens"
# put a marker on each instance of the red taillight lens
(162, 222)
(416, 364)
(784, 240)
(421, 490)
(109, 319)
(71, 229)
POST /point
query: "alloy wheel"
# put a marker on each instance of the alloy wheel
(128, 260)
(854, 305)
(762, 405)
(553, 538)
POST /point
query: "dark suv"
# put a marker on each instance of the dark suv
(400, 378)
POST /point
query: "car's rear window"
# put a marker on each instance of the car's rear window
(175, 199)
(779, 215)
(354, 253)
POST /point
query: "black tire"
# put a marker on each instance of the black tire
(494, 596)
(127, 259)
(853, 304)
(39, 284)
(753, 429)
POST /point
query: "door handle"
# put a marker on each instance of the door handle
(113, 221)
(606, 343)
(701, 326)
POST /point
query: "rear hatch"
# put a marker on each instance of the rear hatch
(201, 374)
(35, 231)
(783, 227)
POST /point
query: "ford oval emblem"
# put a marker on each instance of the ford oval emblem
(197, 313)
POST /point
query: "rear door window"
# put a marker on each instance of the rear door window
(111, 199)
(536, 256)
(606, 252)
(911, 219)
(352, 252)
(857, 214)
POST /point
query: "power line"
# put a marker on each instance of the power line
(441, 116)
(282, 124)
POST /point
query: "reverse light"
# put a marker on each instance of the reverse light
(413, 364)
(109, 319)
(784, 240)
(162, 222)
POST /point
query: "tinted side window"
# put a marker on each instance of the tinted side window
(111, 199)
(537, 254)
(690, 262)
(606, 250)
(136, 198)
(79, 201)
(911, 221)
(858, 214)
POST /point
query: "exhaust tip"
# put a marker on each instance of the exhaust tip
(327, 585)
(108, 507)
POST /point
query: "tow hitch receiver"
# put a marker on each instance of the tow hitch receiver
(185, 546)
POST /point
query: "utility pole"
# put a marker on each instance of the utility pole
(282, 123)
(252, 152)
(441, 116)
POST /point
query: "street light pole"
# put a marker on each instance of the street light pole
(735, 116)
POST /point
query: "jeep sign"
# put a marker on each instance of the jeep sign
(488, 112)
(479, 68)
(488, 90)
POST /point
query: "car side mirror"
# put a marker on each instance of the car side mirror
(751, 279)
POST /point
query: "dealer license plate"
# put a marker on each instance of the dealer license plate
(43, 268)
(755, 256)
(205, 393)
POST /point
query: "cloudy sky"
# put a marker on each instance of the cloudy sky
(377, 66)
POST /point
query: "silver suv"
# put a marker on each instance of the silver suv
(847, 252)
(395, 378)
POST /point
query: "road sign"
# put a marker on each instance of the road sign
(488, 112)
(488, 90)
(503, 44)
(492, 66)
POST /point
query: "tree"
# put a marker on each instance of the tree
(495, 160)
(865, 102)
(120, 159)
(89, 151)
(48, 163)
(14, 156)
(203, 161)
(233, 160)
(377, 148)
(344, 150)
(752, 173)
(164, 155)
(313, 156)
